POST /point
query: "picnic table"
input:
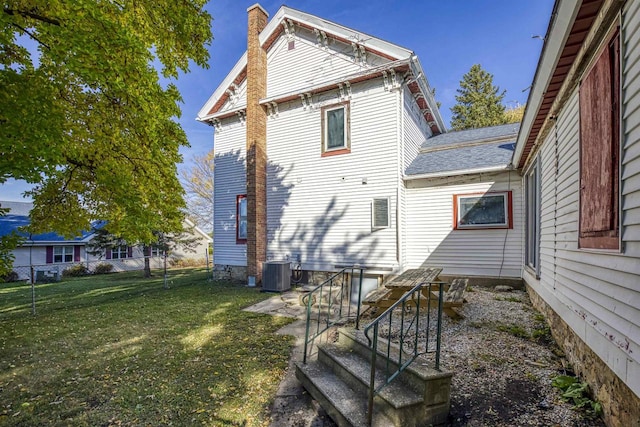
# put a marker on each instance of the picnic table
(385, 296)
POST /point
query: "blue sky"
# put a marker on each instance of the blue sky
(448, 37)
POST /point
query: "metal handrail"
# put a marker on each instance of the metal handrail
(408, 301)
(324, 313)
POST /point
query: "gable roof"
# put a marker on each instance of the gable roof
(401, 60)
(464, 152)
(12, 223)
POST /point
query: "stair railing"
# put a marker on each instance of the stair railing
(409, 307)
(330, 299)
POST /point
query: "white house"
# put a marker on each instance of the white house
(50, 253)
(317, 128)
(579, 152)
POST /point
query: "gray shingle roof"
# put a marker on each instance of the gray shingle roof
(466, 150)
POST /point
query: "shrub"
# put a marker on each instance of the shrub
(76, 271)
(186, 262)
(10, 277)
(103, 268)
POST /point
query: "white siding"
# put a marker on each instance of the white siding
(310, 64)
(596, 292)
(230, 178)
(432, 241)
(318, 207)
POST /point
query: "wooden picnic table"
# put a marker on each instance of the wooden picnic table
(392, 291)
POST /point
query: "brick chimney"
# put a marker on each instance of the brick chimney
(256, 145)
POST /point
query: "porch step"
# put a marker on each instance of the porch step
(345, 406)
(340, 376)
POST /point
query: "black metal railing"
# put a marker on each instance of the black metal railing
(329, 304)
(413, 308)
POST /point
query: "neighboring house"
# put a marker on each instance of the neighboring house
(50, 254)
(464, 204)
(579, 151)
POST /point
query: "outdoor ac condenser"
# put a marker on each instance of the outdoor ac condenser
(276, 276)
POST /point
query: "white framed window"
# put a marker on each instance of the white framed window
(380, 213)
(335, 129)
(119, 252)
(63, 254)
(532, 217)
(482, 210)
(155, 251)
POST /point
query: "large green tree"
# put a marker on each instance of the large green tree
(85, 116)
(479, 102)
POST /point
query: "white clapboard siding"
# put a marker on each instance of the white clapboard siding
(319, 208)
(596, 292)
(237, 100)
(432, 241)
(309, 63)
(230, 177)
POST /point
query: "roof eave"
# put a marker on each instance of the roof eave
(443, 174)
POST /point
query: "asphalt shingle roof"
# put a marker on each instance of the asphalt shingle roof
(466, 150)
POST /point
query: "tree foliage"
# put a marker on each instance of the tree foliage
(479, 102)
(515, 114)
(198, 184)
(84, 115)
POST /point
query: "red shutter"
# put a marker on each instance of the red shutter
(76, 253)
(129, 252)
(599, 146)
(108, 252)
(49, 254)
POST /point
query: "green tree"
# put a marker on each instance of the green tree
(198, 184)
(479, 102)
(515, 114)
(84, 115)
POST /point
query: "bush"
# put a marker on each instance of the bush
(103, 268)
(76, 271)
(186, 262)
(10, 277)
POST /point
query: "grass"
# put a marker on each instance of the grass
(121, 350)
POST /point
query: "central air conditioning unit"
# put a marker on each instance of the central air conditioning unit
(276, 276)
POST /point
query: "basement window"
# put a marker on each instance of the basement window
(335, 130)
(483, 210)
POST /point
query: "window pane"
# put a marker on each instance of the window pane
(482, 210)
(335, 128)
(57, 250)
(243, 207)
(242, 229)
(57, 258)
(380, 212)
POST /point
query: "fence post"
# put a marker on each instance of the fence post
(33, 292)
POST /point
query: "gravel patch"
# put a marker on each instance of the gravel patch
(503, 359)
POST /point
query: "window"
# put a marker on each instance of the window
(120, 252)
(335, 130)
(380, 213)
(477, 211)
(599, 150)
(155, 251)
(532, 218)
(63, 254)
(241, 219)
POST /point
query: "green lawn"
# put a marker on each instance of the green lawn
(121, 350)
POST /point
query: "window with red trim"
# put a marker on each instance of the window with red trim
(599, 150)
(241, 218)
(336, 135)
(482, 210)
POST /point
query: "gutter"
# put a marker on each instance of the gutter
(458, 172)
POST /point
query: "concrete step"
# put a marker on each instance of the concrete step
(434, 386)
(346, 407)
(396, 400)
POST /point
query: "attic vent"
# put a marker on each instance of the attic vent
(292, 44)
(380, 213)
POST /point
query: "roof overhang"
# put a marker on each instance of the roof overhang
(570, 24)
(445, 174)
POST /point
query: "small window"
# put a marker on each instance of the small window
(241, 219)
(477, 211)
(155, 251)
(380, 213)
(63, 254)
(532, 217)
(120, 252)
(335, 130)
